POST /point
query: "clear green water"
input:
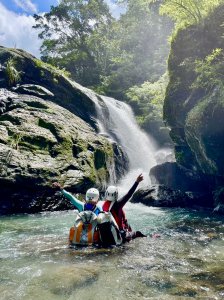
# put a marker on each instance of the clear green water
(186, 262)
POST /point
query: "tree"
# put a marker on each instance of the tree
(70, 37)
(109, 55)
(142, 38)
(187, 12)
(147, 99)
(210, 71)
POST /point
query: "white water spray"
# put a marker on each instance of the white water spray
(122, 127)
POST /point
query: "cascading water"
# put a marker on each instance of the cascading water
(118, 123)
(121, 126)
(101, 128)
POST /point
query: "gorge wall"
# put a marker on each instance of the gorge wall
(194, 109)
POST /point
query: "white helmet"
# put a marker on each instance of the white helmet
(92, 195)
(111, 193)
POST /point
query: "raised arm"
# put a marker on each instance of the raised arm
(121, 202)
(77, 203)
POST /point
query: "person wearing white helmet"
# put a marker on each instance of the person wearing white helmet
(92, 197)
(115, 205)
(111, 193)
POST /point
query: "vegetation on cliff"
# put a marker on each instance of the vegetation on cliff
(188, 12)
(193, 105)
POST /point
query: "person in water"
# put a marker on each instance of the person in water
(92, 197)
(115, 206)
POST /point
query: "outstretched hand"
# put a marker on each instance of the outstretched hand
(56, 185)
(139, 178)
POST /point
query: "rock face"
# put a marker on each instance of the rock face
(42, 142)
(176, 180)
(195, 114)
(161, 196)
(32, 71)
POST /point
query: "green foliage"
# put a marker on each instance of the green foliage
(141, 36)
(210, 71)
(15, 139)
(187, 12)
(12, 74)
(106, 54)
(147, 100)
(70, 39)
(53, 69)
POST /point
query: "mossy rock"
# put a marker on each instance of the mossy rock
(38, 78)
(43, 143)
(205, 133)
(193, 112)
(48, 133)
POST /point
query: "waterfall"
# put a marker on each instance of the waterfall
(119, 123)
(116, 121)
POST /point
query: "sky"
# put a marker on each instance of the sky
(16, 21)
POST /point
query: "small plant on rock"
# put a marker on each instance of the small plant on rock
(12, 74)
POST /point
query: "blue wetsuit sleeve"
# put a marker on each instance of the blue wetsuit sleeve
(77, 203)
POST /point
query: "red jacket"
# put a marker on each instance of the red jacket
(116, 208)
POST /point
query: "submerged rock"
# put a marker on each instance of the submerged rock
(63, 281)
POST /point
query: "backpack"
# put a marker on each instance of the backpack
(109, 233)
(84, 230)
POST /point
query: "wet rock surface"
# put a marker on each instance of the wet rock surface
(35, 77)
(177, 177)
(161, 196)
(42, 142)
(198, 187)
(48, 133)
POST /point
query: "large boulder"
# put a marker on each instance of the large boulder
(48, 132)
(161, 196)
(41, 142)
(177, 177)
(24, 72)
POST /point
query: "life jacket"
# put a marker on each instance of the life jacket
(119, 215)
(109, 233)
(94, 208)
(84, 232)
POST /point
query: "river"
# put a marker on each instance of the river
(185, 262)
